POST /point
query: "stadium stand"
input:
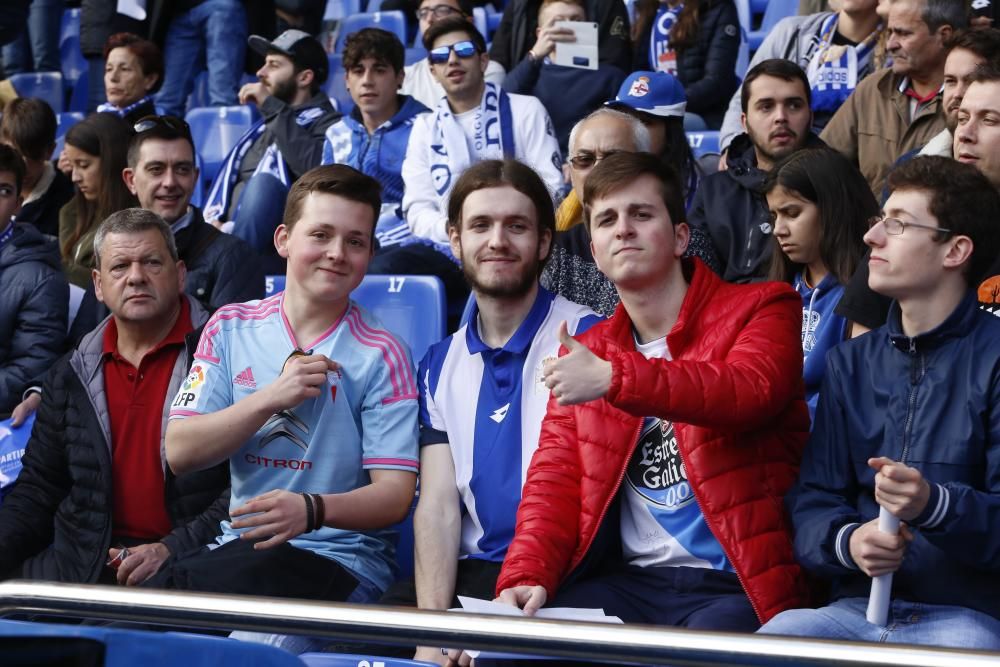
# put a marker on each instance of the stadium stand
(774, 12)
(216, 130)
(393, 21)
(347, 660)
(46, 85)
(336, 85)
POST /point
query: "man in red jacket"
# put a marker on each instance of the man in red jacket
(672, 433)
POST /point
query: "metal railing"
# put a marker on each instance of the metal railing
(393, 625)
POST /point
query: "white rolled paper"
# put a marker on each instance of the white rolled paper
(878, 601)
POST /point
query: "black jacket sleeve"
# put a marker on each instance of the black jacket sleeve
(614, 46)
(721, 29)
(501, 50)
(239, 274)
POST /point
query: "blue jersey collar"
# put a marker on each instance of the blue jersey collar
(525, 334)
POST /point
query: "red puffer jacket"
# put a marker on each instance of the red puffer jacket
(734, 392)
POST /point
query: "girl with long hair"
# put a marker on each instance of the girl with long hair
(820, 206)
(96, 149)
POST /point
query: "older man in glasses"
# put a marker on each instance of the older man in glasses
(908, 424)
(420, 82)
(474, 121)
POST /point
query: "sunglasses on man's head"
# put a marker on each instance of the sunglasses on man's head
(147, 123)
(464, 49)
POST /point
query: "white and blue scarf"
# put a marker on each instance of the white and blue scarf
(659, 36)
(834, 70)
(271, 162)
(107, 107)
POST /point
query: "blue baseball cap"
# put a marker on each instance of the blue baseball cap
(656, 93)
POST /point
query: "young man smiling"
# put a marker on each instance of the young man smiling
(373, 137)
(909, 423)
(314, 405)
(673, 431)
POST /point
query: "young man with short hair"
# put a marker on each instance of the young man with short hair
(909, 423)
(373, 137)
(34, 297)
(475, 121)
(728, 206)
(419, 81)
(673, 431)
(29, 127)
(286, 143)
(481, 395)
(314, 406)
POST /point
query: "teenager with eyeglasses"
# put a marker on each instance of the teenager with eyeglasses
(475, 120)
(908, 423)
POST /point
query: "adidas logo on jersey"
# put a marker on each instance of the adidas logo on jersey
(500, 413)
(245, 379)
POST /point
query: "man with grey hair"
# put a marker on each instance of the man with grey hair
(95, 502)
(900, 108)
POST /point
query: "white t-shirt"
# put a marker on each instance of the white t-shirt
(661, 523)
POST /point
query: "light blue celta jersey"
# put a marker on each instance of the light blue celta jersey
(364, 419)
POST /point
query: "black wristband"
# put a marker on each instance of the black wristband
(310, 513)
(320, 510)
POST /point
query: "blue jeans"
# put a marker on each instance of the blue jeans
(37, 48)
(365, 592)
(261, 207)
(212, 35)
(909, 623)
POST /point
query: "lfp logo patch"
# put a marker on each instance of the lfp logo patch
(194, 379)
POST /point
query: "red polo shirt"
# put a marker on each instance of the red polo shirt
(135, 402)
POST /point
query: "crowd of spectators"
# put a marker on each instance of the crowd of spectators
(684, 389)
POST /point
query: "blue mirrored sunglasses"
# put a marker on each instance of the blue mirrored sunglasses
(464, 49)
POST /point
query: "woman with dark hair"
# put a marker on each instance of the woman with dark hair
(697, 41)
(133, 71)
(96, 148)
(821, 207)
(658, 101)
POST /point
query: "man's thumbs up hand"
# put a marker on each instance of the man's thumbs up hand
(578, 376)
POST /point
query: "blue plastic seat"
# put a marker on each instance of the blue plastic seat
(411, 307)
(743, 55)
(393, 21)
(345, 660)
(775, 11)
(45, 85)
(79, 93)
(703, 143)
(215, 131)
(337, 10)
(73, 64)
(127, 648)
(64, 121)
(414, 54)
(336, 85)
(70, 26)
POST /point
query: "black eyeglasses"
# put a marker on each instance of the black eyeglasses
(586, 159)
(463, 49)
(895, 226)
(147, 123)
(439, 12)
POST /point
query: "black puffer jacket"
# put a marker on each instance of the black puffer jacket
(55, 524)
(34, 304)
(731, 209)
(707, 68)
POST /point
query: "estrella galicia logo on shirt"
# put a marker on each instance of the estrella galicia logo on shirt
(656, 471)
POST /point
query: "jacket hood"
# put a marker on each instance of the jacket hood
(742, 160)
(408, 108)
(829, 282)
(30, 245)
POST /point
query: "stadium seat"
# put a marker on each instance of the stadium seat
(45, 85)
(373, 6)
(341, 9)
(336, 85)
(743, 55)
(64, 121)
(73, 62)
(215, 131)
(393, 21)
(70, 25)
(415, 53)
(79, 93)
(412, 307)
(703, 142)
(56, 644)
(775, 11)
(345, 660)
(198, 195)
